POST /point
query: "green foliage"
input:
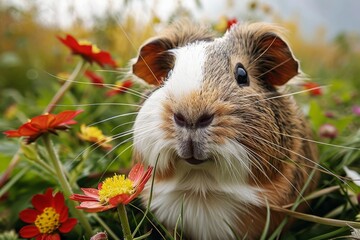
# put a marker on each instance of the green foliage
(31, 60)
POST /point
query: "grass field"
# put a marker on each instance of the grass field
(35, 67)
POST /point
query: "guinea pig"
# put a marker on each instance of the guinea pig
(225, 137)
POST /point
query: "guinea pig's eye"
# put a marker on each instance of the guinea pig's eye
(241, 75)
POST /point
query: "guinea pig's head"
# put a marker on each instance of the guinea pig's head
(215, 107)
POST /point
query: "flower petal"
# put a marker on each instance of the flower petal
(103, 58)
(94, 206)
(76, 48)
(29, 215)
(136, 173)
(145, 178)
(59, 202)
(65, 118)
(12, 133)
(94, 78)
(29, 231)
(121, 198)
(55, 236)
(91, 192)
(42, 122)
(41, 201)
(82, 198)
(68, 225)
(28, 129)
(49, 193)
(64, 214)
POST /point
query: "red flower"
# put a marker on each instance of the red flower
(314, 88)
(88, 51)
(94, 78)
(114, 190)
(121, 87)
(39, 125)
(231, 22)
(48, 217)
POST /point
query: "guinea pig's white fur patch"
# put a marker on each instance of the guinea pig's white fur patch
(187, 74)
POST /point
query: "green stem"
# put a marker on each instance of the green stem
(65, 185)
(65, 87)
(124, 222)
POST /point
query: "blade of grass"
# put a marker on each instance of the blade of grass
(267, 223)
(278, 230)
(316, 219)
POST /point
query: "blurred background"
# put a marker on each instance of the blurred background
(28, 29)
(323, 32)
(324, 35)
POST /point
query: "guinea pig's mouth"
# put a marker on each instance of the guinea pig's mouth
(194, 161)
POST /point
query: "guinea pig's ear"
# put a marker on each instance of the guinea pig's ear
(155, 59)
(270, 55)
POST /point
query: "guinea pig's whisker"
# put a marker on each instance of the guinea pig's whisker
(98, 143)
(117, 70)
(94, 146)
(257, 165)
(130, 146)
(255, 154)
(128, 90)
(231, 167)
(121, 125)
(284, 95)
(98, 104)
(305, 158)
(113, 160)
(114, 117)
(275, 67)
(271, 165)
(270, 45)
(134, 47)
(319, 142)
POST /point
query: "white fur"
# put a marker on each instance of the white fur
(148, 135)
(187, 74)
(212, 194)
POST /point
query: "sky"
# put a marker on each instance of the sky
(335, 15)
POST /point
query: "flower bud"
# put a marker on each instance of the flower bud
(328, 131)
(99, 236)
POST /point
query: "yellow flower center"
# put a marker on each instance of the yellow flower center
(48, 220)
(114, 186)
(94, 48)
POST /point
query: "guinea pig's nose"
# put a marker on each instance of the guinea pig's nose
(203, 121)
(180, 120)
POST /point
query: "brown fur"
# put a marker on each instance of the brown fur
(268, 124)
